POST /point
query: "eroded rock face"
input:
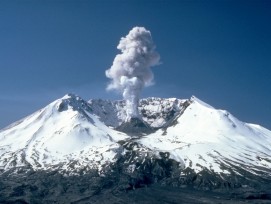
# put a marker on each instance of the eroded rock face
(135, 127)
(155, 112)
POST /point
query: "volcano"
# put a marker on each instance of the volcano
(184, 143)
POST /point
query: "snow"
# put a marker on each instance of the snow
(71, 133)
(202, 131)
(50, 137)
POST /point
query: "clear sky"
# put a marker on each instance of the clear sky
(219, 51)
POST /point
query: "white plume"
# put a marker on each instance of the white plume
(131, 70)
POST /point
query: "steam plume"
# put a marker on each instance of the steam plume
(131, 70)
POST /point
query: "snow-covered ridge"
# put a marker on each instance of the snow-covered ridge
(56, 134)
(203, 137)
(71, 134)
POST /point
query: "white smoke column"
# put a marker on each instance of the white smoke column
(131, 70)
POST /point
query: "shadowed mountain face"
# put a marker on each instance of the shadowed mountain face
(135, 126)
(78, 151)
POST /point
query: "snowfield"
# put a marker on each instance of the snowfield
(71, 134)
(62, 132)
(205, 137)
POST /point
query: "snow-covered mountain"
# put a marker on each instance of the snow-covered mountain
(185, 137)
(65, 134)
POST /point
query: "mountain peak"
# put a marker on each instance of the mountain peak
(71, 134)
(72, 101)
(197, 100)
(70, 95)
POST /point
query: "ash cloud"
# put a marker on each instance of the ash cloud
(131, 70)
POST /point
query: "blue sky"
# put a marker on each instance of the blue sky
(219, 51)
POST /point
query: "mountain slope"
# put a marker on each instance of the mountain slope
(59, 134)
(206, 138)
(190, 142)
